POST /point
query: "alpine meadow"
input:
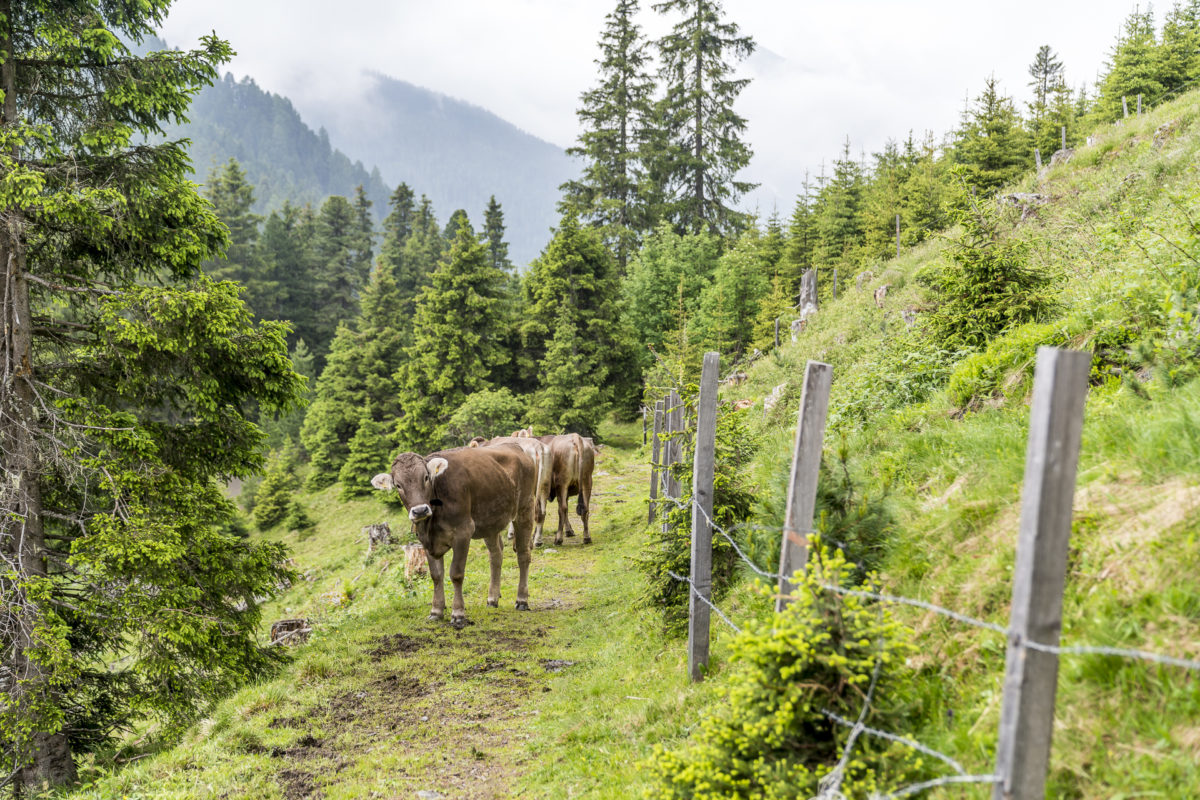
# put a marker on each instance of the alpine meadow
(316, 487)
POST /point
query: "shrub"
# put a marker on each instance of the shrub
(487, 414)
(769, 738)
(671, 550)
(275, 492)
(987, 287)
(983, 374)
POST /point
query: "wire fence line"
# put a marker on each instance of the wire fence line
(1030, 684)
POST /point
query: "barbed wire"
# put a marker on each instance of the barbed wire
(935, 783)
(830, 786)
(1118, 652)
(705, 600)
(904, 740)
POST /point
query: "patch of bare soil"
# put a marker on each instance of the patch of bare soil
(450, 706)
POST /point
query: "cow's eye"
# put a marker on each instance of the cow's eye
(427, 479)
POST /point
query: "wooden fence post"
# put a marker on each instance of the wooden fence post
(835, 283)
(673, 448)
(703, 467)
(897, 236)
(1064, 137)
(1060, 385)
(655, 451)
(777, 331)
(1125, 105)
(1037, 158)
(1139, 111)
(806, 465)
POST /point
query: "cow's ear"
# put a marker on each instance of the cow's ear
(382, 481)
(437, 466)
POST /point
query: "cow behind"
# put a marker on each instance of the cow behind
(541, 459)
(572, 460)
(454, 496)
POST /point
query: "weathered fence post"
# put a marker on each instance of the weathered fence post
(655, 450)
(835, 283)
(777, 331)
(1125, 105)
(808, 290)
(1031, 676)
(673, 448)
(897, 236)
(1063, 130)
(806, 464)
(1037, 157)
(703, 467)
(1139, 111)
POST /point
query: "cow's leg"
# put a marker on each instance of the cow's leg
(523, 526)
(496, 553)
(564, 524)
(539, 520)
(585, 508)
(458, 568)
(436, 573)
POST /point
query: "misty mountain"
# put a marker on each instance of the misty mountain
(283, 157)
(456, 153)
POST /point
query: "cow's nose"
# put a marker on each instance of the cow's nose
(419, 512)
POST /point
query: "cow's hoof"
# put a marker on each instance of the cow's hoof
(459, 623)
(587, 540)
(494, 603)
(434, 616)
(570, 533)
(522, 605)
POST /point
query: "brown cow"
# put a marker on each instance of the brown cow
(541, 459)
(572, 459)
(454, 496)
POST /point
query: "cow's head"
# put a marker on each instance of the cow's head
(415, 480)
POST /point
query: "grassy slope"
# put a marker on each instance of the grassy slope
(348, 717)
(383, 703)
(1122, 729)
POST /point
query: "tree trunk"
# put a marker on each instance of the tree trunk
(48, 757)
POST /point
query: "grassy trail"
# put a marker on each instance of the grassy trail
(558, 702)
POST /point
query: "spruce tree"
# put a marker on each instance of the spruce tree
(458, 220)
(1132, 69)
(274, 493)
(705, 148)
(991, 142)
(286, 246)
(729, 305)
(422, 250)
(398, 227)
(670, 269)
(122, 382)
(924, 193)
(614, 116)
(838, 217)
(366, 454)
(1178, 56)
(881, 201)
(801, 240)
(1046, 79)
(232, 198)
(342, 259)
(777, 305)
(493, 234)
(454, 348)
(572, 294)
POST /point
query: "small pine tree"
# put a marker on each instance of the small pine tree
(992, 143)
(274, 493)
(297, 519)
(366, 455)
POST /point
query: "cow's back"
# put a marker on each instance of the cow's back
(485, 483)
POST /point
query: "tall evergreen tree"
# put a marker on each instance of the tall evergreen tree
(493, 234)
(123, 374)
(422, 250)
(1046, 79)
(1178, 57)
(1132, 69)
(342, 261)
(614, 116)
(883, 196)
(924, 193)
(572, 293)
(838, 217)
(289, 260)
(454, 348)
(729, 305)
(801, 239)
(991, 142)
(704, 146)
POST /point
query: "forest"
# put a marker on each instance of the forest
(163, 342)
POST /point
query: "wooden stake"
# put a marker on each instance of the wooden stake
(1037, 157)
(1125, 105)
(655, 452)
(777, 331)
(1064, 137)
(806, 465)
(897, 236)
(1060, 386)
(703, 468)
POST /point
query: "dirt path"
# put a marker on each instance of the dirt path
(419, 709)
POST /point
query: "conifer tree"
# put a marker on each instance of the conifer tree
(1178, 56)
(366, 454)
(286, 247)
(454, 348)
(729, 305)
(333, 417)
(838, 217)
(924, 193)
(397, 228)
(704, 146)
(614, 116)
(457, 221)
(883, 195)
(801, 240)
(991, 142)
(123, 377)
(1046, 79)
(232, 197)
(275, 492)
(572, 293)
(775, 306)
(493, 234)
(342, 261)
(422, 250)
(668, 267)
(1132, 70)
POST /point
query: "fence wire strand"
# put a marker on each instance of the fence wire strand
(705, 600)
(904, 740)
(908, 791)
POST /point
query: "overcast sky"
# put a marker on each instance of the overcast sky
(867, 69)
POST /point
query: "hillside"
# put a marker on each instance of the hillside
(382, 701)
(456, 153)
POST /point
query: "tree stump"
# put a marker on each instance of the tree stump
(415, 563)
(290, 631)
(377, 535)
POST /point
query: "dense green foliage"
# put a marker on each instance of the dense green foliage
(770, 738)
